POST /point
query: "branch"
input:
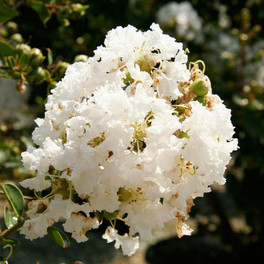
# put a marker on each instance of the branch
(2, 67)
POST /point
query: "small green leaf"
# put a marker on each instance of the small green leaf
(10, 241)
(11, 61)
(10, 218)
(199, 87)
(43, 12)
(6, 49)
(6, 13)
(14, 197)
(49, 56)
(58, 237)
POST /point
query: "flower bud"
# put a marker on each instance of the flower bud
(60, 70)
(77, 7)
(21, 86)
(199, 87)
(17, 38)
(81, 57)
(37, 76)
(36, 57)
(22, 49)
(11, 27)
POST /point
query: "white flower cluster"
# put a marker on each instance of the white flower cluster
(131, 135)
(183, 18)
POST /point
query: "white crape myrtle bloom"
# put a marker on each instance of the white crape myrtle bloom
(129, 244)
(183, 18)
(132, 135)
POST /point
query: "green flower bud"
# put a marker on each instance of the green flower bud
(22, 49)
(77, 7)
(37, 76)
(199, 87)
(81, 57)
(60, 69)
(11, 27)
(17, 38)
(36, 57)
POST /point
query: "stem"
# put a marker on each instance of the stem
(8, 232)
(2, 67)
(11, 251)
(15, 68)
(25, 197)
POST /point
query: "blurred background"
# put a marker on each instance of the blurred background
(39, 39)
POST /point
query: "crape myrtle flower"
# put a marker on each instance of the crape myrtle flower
(131, 135)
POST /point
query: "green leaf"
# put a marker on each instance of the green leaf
(6, 13)
(5, 74)
(11, 61)
(58, 236)
(49, 56)
(10, 241)
(43, 12)
(6, 49)
(14, 197)
(10, 218)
